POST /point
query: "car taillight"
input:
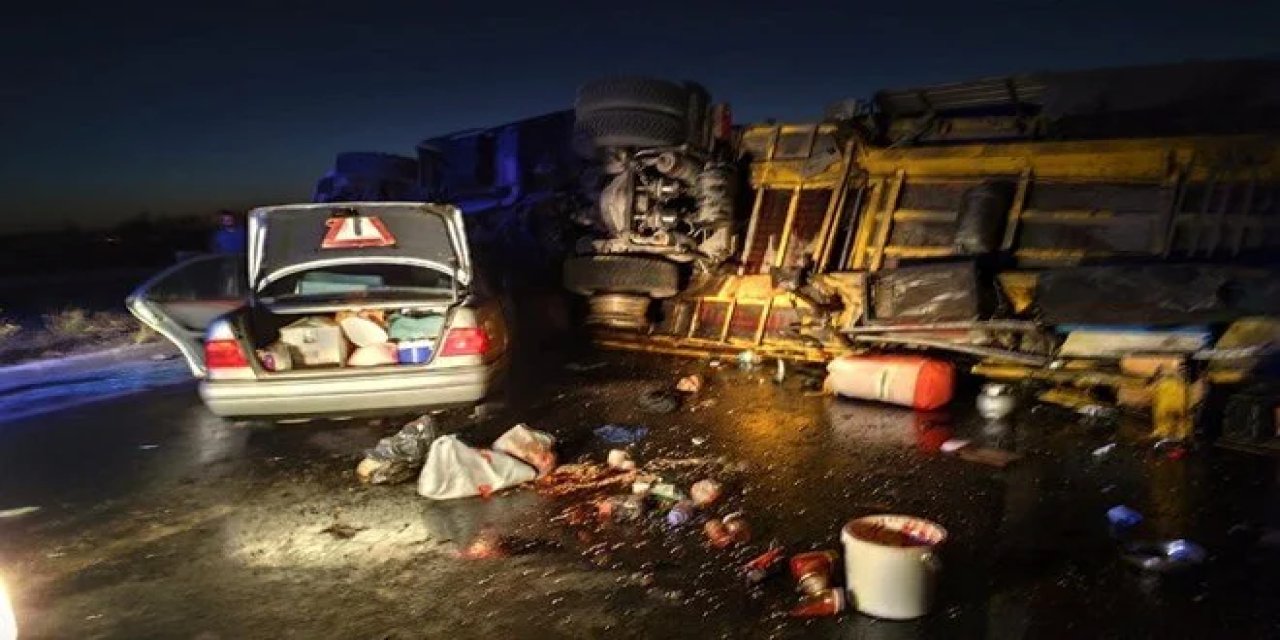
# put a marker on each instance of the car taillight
(465, 341)
(224, 354)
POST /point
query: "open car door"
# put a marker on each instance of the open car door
(180, 302)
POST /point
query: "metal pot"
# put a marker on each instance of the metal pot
(996, 401)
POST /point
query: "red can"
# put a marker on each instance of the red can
(762, 566)
(812, 570)
(717, 535)
(829, 602)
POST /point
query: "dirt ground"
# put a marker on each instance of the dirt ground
(158, 520)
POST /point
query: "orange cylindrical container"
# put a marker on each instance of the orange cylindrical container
(910, 381)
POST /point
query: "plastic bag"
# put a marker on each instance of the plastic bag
(529, 445)
(454, 470)
(396, 458)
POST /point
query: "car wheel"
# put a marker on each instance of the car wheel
(632, 93)
(588, 275)
(631, 128)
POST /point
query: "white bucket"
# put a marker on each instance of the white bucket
(891, 581)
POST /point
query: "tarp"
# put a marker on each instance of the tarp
(1156, 294)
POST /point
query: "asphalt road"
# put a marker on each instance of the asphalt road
(157, 519)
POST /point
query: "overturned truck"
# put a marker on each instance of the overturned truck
(1048, 225)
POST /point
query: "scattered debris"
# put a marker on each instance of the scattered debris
(1104, 451)
(830, 602)
(812, 571)
(705, 492)
(1123, 518)
(342, 531)
(921, 383)
(619, 459)
(691, 384)
(698, 441)
(148, 447)
(398, 457)
(667, 492)
(780, 373)
(998, 458)
(1171, 449)
(626, 508)
(18, 512)
(530, 446)
(891, 564)
(1165, 557)
(747, 359)
(581, 367)
(735, 524)
(619, 434)
(568, 479)
(1098, 411)
(953, 445)
(658, 401)
(996, 401)
(455, 470)
(717, 534)
(761, 567)
(681, 513)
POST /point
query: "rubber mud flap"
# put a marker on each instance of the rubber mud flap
(631, 128)
(631, 92)
(587, 275)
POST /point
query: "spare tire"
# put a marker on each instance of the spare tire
(632, 92)
(588, 275)
(630, 128)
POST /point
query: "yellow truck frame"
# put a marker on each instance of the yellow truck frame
(820, 194)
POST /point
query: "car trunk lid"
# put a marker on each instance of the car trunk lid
(289, 239)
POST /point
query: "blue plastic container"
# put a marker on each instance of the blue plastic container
(413, 351)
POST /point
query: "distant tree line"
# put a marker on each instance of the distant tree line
(142, 241)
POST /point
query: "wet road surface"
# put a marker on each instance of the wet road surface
(159, 520)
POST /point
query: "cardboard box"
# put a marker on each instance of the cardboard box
(315, 341)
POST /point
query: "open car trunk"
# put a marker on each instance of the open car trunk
(339, 289)
(404, 267)
(273, 331)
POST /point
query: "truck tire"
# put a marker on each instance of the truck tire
(632, 128)
(588, 275)
(632, 93)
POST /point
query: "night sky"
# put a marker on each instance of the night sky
(111, 109)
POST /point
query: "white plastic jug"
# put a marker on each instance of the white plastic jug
(891, 564)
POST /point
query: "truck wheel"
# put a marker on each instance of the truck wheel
(632, 128)
(632, 93)
(619, 311)
(588, 275)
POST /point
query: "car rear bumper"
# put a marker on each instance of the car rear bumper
(352, 395)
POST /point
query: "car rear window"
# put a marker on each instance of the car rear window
(353, 282)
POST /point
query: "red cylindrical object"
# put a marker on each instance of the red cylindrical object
(828, 602)
(717, 534)
(761, 566)
(911, 381)
(812, 570)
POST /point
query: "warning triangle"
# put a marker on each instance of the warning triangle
(356, 232)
